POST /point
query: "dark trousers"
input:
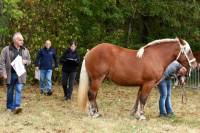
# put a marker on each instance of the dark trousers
(68, 79)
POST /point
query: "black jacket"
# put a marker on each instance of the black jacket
(70, 60)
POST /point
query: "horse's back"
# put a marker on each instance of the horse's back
(110, 49)
(109, 53)
(116, 63)
(99, 58)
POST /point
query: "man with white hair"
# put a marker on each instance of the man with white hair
(14, 82)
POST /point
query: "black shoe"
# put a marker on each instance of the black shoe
(171, 115)
(49, 93)
(67, 98)
(17, 110)
(163, 115)
(41, 92)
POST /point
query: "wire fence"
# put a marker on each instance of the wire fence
(194, 80)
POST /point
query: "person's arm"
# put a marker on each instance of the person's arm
(2, 64)
(37, 61)
(55, 59)
(78, 59)
(62, 58)
(28, 58)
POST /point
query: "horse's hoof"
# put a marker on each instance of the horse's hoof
(142, 117)
(96, 115)
(137, 116)
(134, 113)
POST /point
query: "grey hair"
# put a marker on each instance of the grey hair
(16, 34)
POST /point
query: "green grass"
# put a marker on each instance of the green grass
(42, 114)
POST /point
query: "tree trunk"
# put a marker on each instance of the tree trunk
(129, 32)
(130, 27)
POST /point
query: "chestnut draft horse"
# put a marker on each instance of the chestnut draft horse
(197, 56)
(143, 68)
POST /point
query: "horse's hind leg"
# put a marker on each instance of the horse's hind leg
(92, 94)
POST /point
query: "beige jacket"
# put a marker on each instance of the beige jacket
(5, 62)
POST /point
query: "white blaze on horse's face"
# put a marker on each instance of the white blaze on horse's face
(186, 50)
(186, 47)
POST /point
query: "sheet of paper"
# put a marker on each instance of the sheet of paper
(37, 74)
(71, 59)
(18, 66)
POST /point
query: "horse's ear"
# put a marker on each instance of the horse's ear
(181, 41)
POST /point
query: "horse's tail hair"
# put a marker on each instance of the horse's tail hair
(140, 52)
(83, 87)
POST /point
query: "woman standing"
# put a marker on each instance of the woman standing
(165, 105)
(70, 61)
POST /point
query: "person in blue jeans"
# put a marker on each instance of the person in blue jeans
(15, 83)
(70, 60)
(44, 62)
(165, 105)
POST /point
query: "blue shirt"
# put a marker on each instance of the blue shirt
(172, 69)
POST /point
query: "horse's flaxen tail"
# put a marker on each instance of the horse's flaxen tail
(83, 87)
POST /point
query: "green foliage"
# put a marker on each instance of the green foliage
(128, 23)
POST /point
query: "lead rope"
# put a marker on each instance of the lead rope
(183, 95)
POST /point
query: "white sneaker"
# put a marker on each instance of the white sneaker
(9, 110)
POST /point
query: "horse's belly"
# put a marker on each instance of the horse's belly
(125, 80)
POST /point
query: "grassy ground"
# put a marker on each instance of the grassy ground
(42, 114)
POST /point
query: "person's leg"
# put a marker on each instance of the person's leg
(65, 77)
(49, 81)
(72, 77)
(42, 81)
(18, 94)
(163, 95)
(10, 92)
(168, 103)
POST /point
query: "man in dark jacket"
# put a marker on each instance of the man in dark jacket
(70, 61)
(44, 62)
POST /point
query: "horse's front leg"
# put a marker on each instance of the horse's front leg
(135, 107)
(146, 89)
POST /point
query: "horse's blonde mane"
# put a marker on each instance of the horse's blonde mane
(141, 50)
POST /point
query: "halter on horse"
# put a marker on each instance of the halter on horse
(143, 68)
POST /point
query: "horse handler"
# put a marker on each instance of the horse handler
(15, 81)
(165, 105)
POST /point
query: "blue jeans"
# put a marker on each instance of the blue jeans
(165, 104)
(45, 80)
(14, 92)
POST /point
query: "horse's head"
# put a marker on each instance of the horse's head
(185, 56)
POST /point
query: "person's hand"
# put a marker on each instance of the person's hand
(182, 71)
(182, 80)
(56, 68)
(5, 76)
(37, 68)
(24, 61)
